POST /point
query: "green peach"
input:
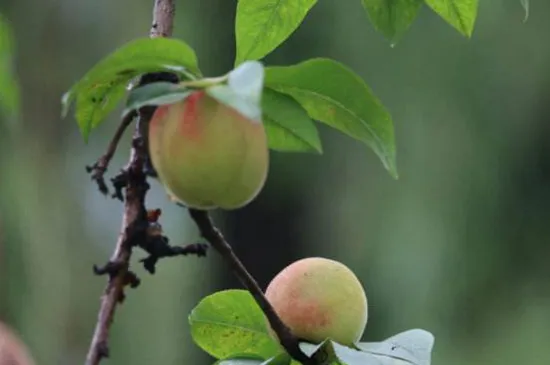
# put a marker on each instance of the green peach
(207, 154)
(318, 298)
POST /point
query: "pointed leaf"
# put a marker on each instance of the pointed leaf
(392, 17)
(262, 25)
(461, 14)
(99, 91)
(335, 95)
(158, 93)
(413, 346)
(287, 124)
(230, 322)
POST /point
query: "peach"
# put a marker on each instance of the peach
(318, 298)
(208, 154)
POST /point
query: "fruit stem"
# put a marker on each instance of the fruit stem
(205, 82)
(220, 244)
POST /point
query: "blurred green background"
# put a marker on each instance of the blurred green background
(458, 246)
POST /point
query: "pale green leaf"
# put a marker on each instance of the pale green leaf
(247, 80)
(412, 346)
(351, 356)
(243, 91)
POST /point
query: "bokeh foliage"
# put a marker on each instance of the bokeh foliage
(458, 245)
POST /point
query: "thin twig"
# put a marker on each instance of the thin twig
(135, 214)
(98, 169)
(220, 244)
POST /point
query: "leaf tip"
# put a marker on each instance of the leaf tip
(392, 169)
(66, 100)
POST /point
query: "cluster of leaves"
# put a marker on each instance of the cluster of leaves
(261, 25)
(294, 96)
(230, 326)
(318, 89)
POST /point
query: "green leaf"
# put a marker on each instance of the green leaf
(351, 356)
(230, 322)
(9, 88)
(461, 14)
(392, 17)
(158, 93)
(243, 91)
(525, 5)
(413, 346)
(288, 126)
(330, 352)
(99, 91)
(262, 25)
(335, 95)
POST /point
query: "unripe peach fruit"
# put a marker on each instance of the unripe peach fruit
(207, 154)
(12, 350)
(318, 298)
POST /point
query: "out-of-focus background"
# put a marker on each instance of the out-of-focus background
(460, 245)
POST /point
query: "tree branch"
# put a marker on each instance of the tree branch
(220, 244)
(134, 222)
(118, 266)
